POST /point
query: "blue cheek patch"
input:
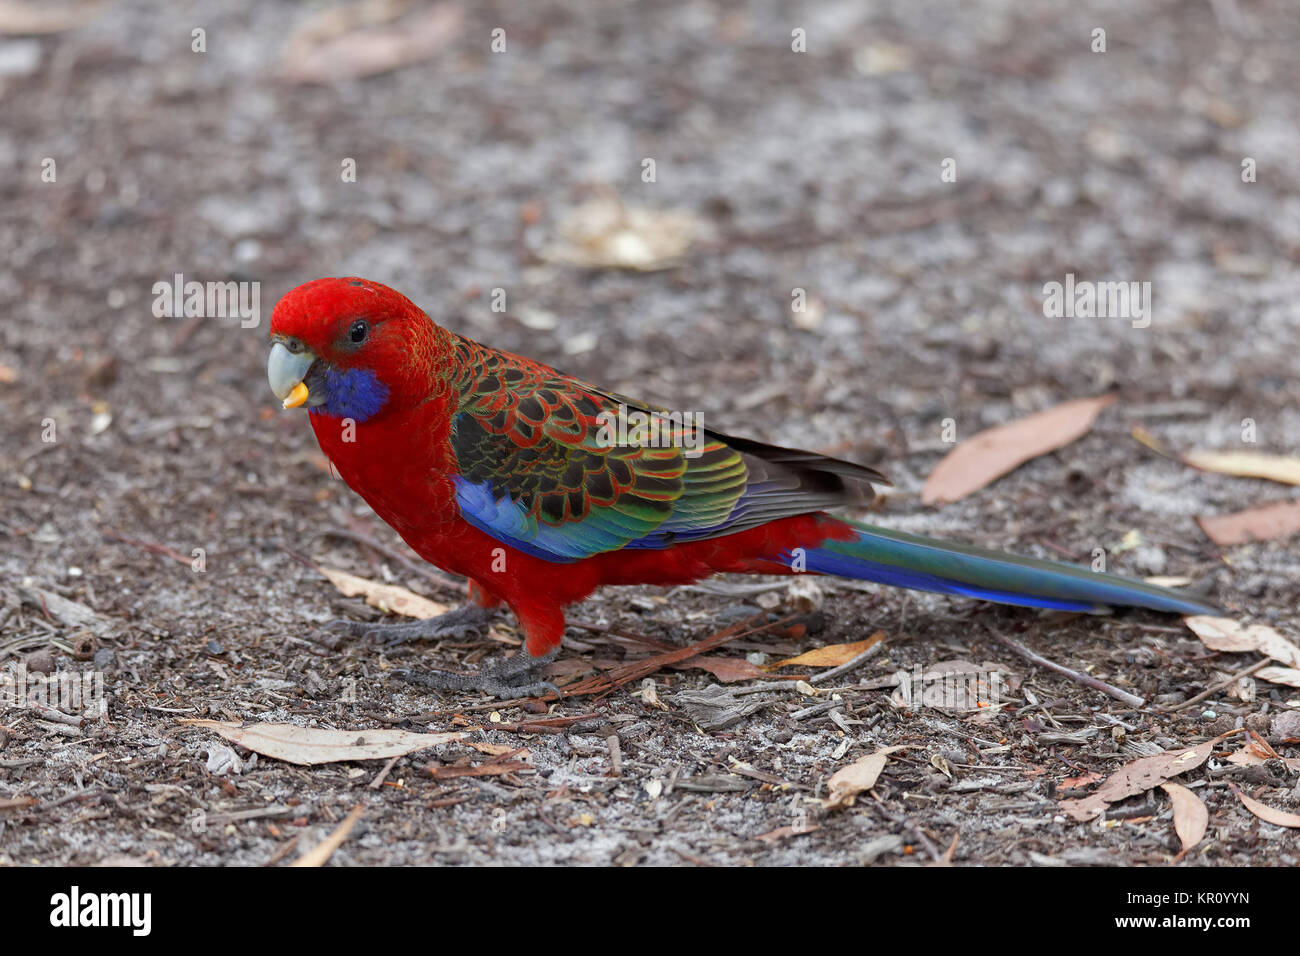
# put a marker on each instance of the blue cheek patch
(355, 393)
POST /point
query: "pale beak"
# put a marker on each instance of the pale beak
(285, 371)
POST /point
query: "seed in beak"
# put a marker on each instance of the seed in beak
(296, 397)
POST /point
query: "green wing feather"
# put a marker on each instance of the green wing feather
(538, 471)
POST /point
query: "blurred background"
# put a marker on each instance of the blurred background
(646, 192)
(650, 186)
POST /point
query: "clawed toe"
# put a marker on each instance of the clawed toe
(461, 622)
(505, 680)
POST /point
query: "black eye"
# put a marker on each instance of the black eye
(359, 332)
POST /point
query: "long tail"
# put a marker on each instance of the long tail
(926, 564)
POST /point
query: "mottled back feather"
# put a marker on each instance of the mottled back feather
(536, 472)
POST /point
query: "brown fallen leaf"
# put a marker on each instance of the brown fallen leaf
(1225, 634)
(1247, 464)
(832, 655)
(1279, 818)
(1084, 780)
(306, 746)
(368, 38)
(319, 854)
(387, 597)
(1289, 676)
(861, 775)
(1150, 440)
(1139, 776)
(728, 670)
(772, 837)
(1249, 756)
(993, 453)
(1278, 520)
(496, 750)
(1191, 818)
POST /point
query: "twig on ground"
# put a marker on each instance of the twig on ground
(56, 715)
(815, 709)
(149, 546)
(635, 670)
(1087, 680)
(615, 756)
(383, 774)
(319, 854)
(1216, 687)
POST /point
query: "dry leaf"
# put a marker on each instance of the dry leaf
(604, 233)
(1248, 756)
(306, 746)
(995, 452)
(1225, 634)
(1279, 818)
(386, 597)
(1084, 780)
(320, 854)
(1150, 440)
(367, 39)
(728, 670)
(1278, 520)
(1139, 776)
(498, 750)
(861, 775)
(1247, 464)
(1191, 818)
(772, 837)
(832, 655)
(1289, 676)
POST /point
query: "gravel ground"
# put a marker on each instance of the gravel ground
(817, 170)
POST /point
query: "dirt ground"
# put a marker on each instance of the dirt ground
(819, 171)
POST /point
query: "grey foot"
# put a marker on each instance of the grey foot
(506, 680)
(466, 621)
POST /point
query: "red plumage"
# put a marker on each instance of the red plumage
(402, 462)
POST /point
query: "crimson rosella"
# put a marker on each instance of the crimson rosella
(508, 472)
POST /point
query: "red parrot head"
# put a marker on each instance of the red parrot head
(351, 348)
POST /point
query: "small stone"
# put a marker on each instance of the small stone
(40, 662)
(1286, 724)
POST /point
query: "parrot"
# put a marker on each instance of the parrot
(510, 473)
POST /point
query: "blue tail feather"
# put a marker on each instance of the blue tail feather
(926, 564)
